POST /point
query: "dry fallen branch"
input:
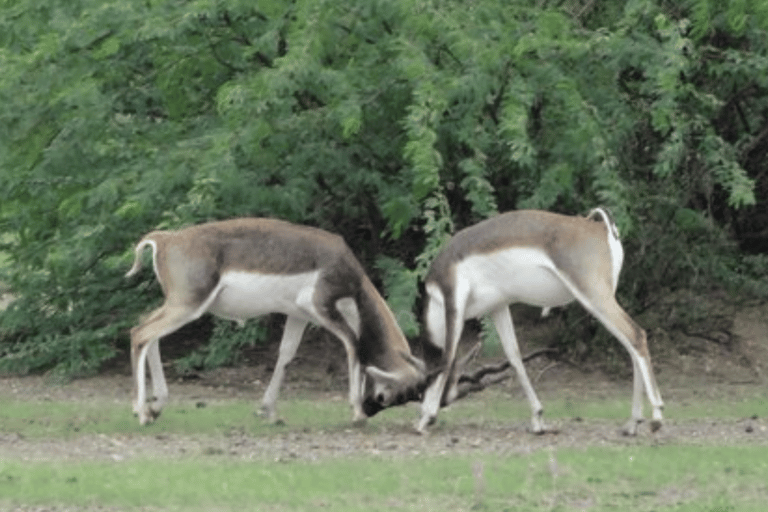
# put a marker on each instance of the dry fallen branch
(490, 374)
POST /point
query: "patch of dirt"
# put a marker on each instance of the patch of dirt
(450, 435)
(455, 439)
(715, 371)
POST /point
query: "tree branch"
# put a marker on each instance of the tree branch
(490, 374)
(754, 143)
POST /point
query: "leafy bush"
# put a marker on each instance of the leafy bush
(393, 123)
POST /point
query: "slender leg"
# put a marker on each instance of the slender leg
(630, 428)
(633, 338)
(598, 298)
(340, 316)
(144, 341)
(444, 389)
(657, 416)
(345, 321)
(356, 383)
(159, 386)
(431, 403)
(355, 372)
(146, 415)
(503, 321)
(445, 331)
(294, 329)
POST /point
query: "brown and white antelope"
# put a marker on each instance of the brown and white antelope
(244, 268)
(538, 258)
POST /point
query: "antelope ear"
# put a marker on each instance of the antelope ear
(414, 361)
(380, 375)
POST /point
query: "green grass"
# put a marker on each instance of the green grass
(630, 477)
(61, 419)
(38, 419)
(623, 478)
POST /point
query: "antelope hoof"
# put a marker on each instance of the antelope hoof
(630, 429)
(359, 416)
(540, 428)
(543, 430)
(148, 416)
(270, 415)
(424, 423)
(657, 420)
(155, 408)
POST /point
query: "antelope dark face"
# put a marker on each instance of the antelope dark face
(374, 404)
(387, 393)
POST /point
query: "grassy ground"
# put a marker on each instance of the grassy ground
(712, 478)
(42, 419)
(91, 454)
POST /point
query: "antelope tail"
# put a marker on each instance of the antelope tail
(137, 258)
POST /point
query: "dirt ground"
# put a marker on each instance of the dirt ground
(711, 370)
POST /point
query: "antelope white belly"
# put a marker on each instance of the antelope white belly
(247, 295)
(509, 276)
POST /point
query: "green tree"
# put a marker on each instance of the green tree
(393, 123)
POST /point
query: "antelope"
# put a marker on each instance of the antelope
(537, 258)
(244, 268)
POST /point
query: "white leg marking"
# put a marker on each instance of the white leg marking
(630, 428)
(438, 322)
(431, 403)
(140, 407)
(159, 386)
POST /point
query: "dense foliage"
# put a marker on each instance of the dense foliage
(391, 122)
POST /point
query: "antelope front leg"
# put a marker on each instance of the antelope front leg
(356, 384)
(294, 329)
(430, 405)
(503, 321)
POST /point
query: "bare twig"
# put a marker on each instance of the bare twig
(465, 388)
(546, 368)
(490, 374)
(477, 375)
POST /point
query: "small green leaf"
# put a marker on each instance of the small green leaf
(109, 47)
